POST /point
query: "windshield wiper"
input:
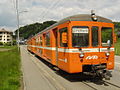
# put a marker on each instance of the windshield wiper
(77, 46)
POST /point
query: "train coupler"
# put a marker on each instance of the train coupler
(107, 75)
(104, 74)
(101, 71)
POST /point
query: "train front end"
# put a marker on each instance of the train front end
(92, 47)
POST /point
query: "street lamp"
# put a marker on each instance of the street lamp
(18, 25)
(17, 12)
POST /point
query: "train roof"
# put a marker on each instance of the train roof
(79, 17)
(84, 17)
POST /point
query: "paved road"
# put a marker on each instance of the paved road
(117, 62)
(38, 76)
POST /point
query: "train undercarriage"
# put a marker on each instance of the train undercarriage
(97, 71)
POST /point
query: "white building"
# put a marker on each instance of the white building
(5, 36)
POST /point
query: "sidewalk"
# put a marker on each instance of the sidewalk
(32, 76)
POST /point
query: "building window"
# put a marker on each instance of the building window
(8, 39)
(47, 39)
(63, 30)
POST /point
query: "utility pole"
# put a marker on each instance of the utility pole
(18, 37)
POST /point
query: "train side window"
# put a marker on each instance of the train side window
(63, 30)
(94, 36)
(47, 39)
(41, 40)
(37, 40)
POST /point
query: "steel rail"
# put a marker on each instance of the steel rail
(112, 84)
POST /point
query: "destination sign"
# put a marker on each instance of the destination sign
(80, 30)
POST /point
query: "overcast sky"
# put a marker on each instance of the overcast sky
(45, 10)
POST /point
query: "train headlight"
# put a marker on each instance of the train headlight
(107, 54)
(93, 16)
(81, 55)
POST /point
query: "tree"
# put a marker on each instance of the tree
(32, 29)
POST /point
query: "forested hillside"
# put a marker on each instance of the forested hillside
(117, 24)
(32, 29)
(117, 28)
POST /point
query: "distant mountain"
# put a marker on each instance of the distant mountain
(30, 30)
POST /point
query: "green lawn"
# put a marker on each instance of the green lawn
(7, 47)
(10, 69)
(117, 47)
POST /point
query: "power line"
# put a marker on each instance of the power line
(14, 3)
(17, 13)
(52, 5)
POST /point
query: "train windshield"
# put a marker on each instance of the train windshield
(107, 38)
(80, 36)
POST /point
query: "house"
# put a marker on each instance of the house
(5, 36)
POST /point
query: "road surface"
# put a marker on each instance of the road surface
(38, 75)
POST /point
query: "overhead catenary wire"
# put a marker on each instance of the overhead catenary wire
(14, 3)
(53, 5)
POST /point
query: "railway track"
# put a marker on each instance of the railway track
(89, 85)
(106, 83)
(111, 84)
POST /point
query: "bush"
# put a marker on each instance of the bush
(7, 44)
(1, 43)
(14, 42)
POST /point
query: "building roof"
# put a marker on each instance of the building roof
(3, 30)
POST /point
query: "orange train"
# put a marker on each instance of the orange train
(79, 43)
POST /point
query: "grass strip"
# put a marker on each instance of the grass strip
(117, 47)
(10, 69)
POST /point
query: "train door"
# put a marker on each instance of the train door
(55, 32)
(43, 44)
(63, 49)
